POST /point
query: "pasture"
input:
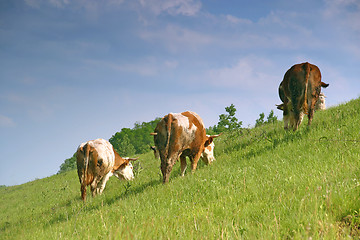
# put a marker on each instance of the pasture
(266, 183)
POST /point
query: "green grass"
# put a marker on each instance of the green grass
(265, 184)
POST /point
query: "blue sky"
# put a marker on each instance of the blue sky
(76, 70)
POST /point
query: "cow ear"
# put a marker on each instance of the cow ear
(324, 85)
(125, 163)
(208, 141)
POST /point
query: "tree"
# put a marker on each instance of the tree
(139, 136)
(260, 121)
(228, 122)
(271, 117)
(125, 148)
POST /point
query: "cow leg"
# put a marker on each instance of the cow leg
(93, 186)
(166, 168)
(83, 192)
(93, 190)
(312, 108)
(310, 115)
(183, 165)
(102, 183)
(297, 120)
(194, 161)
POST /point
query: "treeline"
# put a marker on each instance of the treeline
(137, 140)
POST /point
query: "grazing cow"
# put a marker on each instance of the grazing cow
(180, 135)
(97, 161)
(299, 91)
(207, 156)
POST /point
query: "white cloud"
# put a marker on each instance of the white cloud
(344, 18)
(172, 7)
(33, 3)
(277, 30)
(236, 20)
(53, 3)
(145, 67)
(177, 38)
(346, 12)
(171, 64)
(251, 72)
(59, 3)
(90, 6)
(143, 70)
(6, 121)
(37, 105)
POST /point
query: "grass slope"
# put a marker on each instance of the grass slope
(265, 184)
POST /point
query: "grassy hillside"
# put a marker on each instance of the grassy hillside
(265, 184)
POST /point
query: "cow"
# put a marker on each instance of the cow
(180, 135)
(96, 162)
(299, 91)
(207, 156)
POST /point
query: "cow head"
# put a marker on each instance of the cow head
(156, 152)
(125, 171)
(320, 104)
(208, 154)
(291, 119)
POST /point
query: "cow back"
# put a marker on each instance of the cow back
(177, 132)
(97, 161)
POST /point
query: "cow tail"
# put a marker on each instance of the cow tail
(307, 77)
(84, 181)
(170, 118)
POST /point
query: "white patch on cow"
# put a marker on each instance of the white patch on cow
(301, 117)
(184, 122)
(105, 151)
(125, 173)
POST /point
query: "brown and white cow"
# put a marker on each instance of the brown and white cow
(180, 135)
(207, 156)
(299, 91)
(97, 161)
